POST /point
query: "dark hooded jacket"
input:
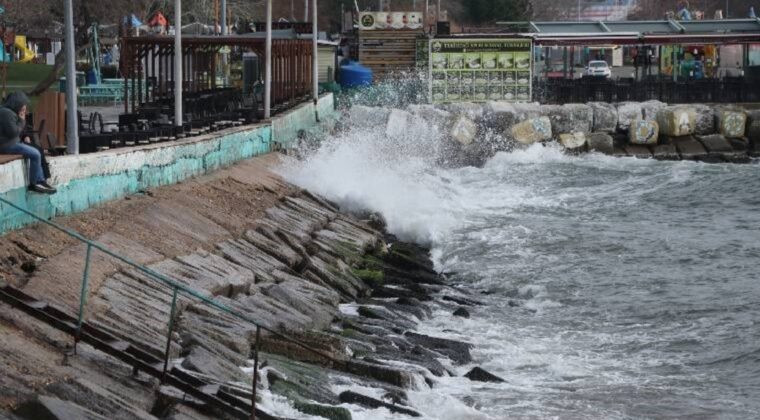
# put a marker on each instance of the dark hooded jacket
(11, 125)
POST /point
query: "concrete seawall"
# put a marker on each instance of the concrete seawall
(88, 180)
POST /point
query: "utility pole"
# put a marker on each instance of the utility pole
(268, 66)
(305, 10)
(178, 67)
(579, 10)
(72, 132)
(315, 52)
(292, 10)
(224, 17)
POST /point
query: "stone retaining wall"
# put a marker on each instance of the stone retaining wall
(87, 180)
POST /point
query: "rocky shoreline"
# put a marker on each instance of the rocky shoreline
(335, 282)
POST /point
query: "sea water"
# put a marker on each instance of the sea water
(614, 288)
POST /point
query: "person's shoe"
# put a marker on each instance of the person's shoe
(47, 185)
(42, 188)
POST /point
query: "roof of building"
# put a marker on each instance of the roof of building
(631, 32)
(660, 27)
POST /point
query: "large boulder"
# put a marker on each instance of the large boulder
(432, 115)
(601, 142)
(753, 132)
(463, 130)
(731, 122)
(532, 131)
(398, 123)
(471, 110)
(574, 142)
(500, 116)
(689, 148)
(605, 117)
(368, 116)
(569, 118)
(677, 121)
(628, 112)
(643, 132)
(705, 119)
(524, 111)
(649, 109)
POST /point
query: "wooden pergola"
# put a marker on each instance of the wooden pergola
(148, 66)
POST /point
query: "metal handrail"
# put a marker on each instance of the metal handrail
(176, 287)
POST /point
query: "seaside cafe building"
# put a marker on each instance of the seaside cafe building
(681, 50)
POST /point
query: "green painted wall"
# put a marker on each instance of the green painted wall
(82, 192)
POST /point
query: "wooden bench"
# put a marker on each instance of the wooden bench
(9, 158)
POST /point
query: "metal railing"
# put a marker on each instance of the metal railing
(726, 90)
(177, 289)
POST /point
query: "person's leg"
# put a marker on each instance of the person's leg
(43, 160)
(35, 165)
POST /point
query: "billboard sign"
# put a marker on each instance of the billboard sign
(479, 70)
(369, 21)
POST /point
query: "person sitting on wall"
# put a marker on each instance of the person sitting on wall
(12, 122)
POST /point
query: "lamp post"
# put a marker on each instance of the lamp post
(268, 66)
(315, 52)
(72, 131)
(178, 67)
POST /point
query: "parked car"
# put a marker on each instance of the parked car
(598, 69)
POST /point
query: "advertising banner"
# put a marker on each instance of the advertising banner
(369, 21)
(479, 70)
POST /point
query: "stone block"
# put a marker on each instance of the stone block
(533, 130)
(575, 142)
(665, 152)
(720, 149)
(753, 126)
(677, 121)
(731, 122)
(463, 130)
(649, 109)
(368, 116)
(639, 151)
(627, 113)
(643, 132)
(601, 142)
(605, 117)
(689, 148)
(569, 118)
(398, 123)
(705, 119)
(54, 409)
(471, 110)
(499, 116)
(715, 143)
(753, 135)
(619, 152)
(429, 113)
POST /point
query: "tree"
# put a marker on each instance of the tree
(489, 11)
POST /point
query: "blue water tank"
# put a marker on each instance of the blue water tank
(353, 74)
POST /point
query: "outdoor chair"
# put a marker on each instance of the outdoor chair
(53, 148)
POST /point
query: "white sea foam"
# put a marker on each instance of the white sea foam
(590, 264)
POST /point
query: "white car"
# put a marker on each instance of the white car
(598, 69)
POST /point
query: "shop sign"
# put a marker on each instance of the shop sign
(479, 70)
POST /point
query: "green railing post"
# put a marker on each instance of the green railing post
(172, 313)
(83, 295)
(255, 372)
